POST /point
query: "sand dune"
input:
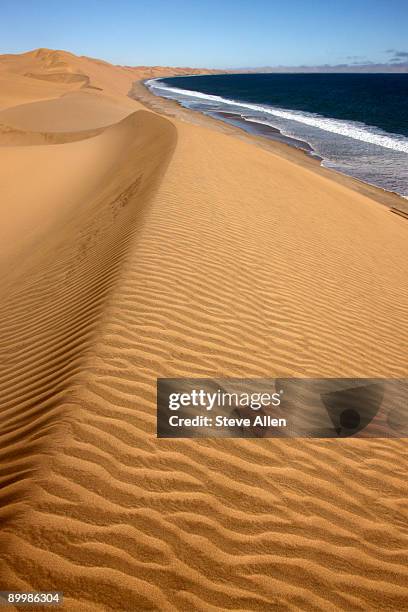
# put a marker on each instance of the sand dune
(75, 111)
(31, 75)
(154, 248)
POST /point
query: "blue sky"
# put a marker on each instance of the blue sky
(213, 33)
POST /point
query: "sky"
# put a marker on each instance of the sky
(211, 33)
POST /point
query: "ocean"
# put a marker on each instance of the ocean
(356, 124)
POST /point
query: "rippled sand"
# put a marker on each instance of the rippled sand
(134, 246)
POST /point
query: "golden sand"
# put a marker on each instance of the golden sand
(135, 246)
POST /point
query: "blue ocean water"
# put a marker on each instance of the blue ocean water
(357, 123)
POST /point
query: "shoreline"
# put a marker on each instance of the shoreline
(263, 130)
(295, 154)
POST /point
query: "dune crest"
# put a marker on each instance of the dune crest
(51, 304)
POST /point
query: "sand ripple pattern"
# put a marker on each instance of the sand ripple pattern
(241, 265)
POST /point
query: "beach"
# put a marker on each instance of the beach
(140, 240)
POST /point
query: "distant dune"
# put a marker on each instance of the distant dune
(44, 73)
(135, 246)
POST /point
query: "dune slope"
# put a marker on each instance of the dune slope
(175, 250)
(68, 263)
